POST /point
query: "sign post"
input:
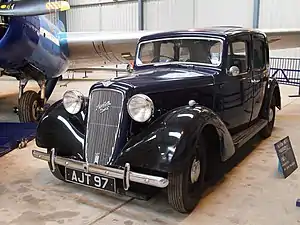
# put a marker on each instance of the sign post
(286, 156)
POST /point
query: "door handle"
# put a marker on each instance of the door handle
(254, 81)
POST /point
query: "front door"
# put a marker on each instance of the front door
(260, 72)
(236, 91)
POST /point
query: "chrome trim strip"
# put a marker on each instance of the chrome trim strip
(52, 158)
(150, 180)
(126, 181)
(203, 37)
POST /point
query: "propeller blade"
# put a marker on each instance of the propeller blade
(32, 7)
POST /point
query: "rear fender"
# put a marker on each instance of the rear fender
(272, 90)
(61, 130)
(164, 145)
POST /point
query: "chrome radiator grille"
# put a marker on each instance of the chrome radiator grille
(104, 116)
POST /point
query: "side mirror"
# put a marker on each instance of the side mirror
(129, 68)
(234, 71)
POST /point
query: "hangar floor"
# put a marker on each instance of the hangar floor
(251, 193)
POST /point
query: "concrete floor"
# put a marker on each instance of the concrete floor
(252, 193)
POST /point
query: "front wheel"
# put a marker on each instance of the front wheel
(267, 130)
(29, 107)
(186, 186)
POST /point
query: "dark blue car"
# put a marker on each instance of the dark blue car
(194, 98)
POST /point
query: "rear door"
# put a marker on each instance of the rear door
(237, 89)
(260, 72)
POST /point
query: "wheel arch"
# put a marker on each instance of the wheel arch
(163, 146)
(213, 149)
(208, 154)
(211, 137)
(277, 95)
(272, 90)
(60, 130)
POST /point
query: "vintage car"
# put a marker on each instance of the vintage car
(194, 98)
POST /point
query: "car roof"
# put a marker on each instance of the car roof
(214, 31)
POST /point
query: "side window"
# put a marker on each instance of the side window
(167, 50)
(146, 54)
(238, 55)
(184, 54)
(259, 58)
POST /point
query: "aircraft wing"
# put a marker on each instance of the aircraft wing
(95, 49)
(282, 38)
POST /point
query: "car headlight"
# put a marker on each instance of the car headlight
(73, 101)
(140, 107)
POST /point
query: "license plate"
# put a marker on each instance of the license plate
(90, 180)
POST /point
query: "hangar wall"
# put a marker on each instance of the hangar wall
(53, 17)
(178, 14)
(102, 15)
(280, 14)
(96, 15)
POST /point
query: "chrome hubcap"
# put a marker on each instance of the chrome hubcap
(195, 171)
(34, 109)
(271, 114)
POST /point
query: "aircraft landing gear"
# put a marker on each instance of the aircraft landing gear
(31, 104)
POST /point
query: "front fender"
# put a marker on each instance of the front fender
(164, 145)
(61, 130)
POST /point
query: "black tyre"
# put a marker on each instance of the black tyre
(185, 187)
(28, 107)
(267, 130)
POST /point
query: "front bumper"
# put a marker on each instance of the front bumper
(126, 175)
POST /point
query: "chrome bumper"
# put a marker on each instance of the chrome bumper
(126, 175)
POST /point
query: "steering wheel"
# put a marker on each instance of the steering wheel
(157, 57)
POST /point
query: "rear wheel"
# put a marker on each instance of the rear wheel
(29, 107)
(267, 130)
(186, 186)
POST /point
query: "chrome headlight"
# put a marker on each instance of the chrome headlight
(140, 107)
(73, 101)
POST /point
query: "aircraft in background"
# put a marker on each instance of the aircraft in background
(32, 47)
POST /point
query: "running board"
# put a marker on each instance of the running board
(242, 137)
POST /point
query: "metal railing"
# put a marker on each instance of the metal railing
(112, 71)
(286, 71)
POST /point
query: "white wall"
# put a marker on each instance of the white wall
(53, 17)
(168, 14)
(182, 14)
(224, 12)
(158, 14)
(121, 16)
(106, 15)
(280, 14)
(84, 18)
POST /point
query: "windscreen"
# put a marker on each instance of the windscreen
(189, 50)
